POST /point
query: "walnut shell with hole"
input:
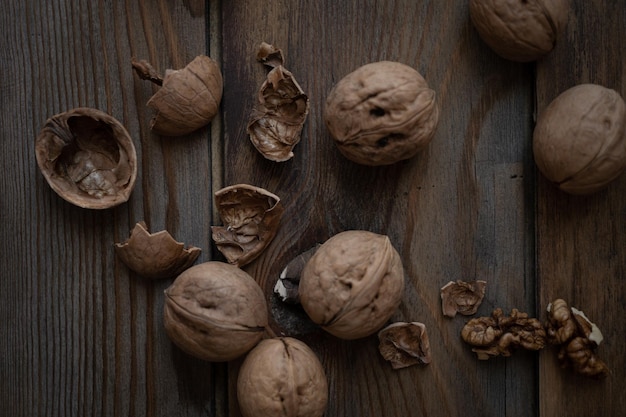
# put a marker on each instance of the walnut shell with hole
(381, 113)
(282, 377)
(579, 141)
(215, 311)
(88, 158)
(352, 284)
(520, 31)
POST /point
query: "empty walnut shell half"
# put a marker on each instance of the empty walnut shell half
(215, 311)
(88, 158)
(188, 99)
(251, 217)
(155, 255)
(282, 377)
(381, 113)
(462, 297)
(352, 284)
(405, 344)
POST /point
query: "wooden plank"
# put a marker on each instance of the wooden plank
(581, 240)
(462, 209)
(81, 335)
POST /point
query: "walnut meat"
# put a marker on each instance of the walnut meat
(521, 31)
(579, 142)
(88, 158)
(381, 113)
(188, 99)
(352, 284)
(282, 377)
(215, 311)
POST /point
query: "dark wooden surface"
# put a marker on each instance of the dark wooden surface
(80, 335)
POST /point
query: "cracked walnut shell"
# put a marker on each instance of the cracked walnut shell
(381, 113)
(282, 377)
(215, 311)
(462, 297)
(88, 158)
(404, 344)
(352, 284)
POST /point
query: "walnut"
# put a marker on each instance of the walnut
(287, 286)
(88, 158)
(577, 339)
(521, 31)
(404, 344)
(381, 113)
(353, 284)
(579, 141)
(251, 216)
(215, 311)
(281, 109)
(282, 377)
(188, 99)
(462, 297)
(155, 255)
(500, 335)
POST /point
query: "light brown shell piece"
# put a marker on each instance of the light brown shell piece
(281, 109)
(381, 113)
(405, 344)
(462, 297)
(215, 311)
(188, 99)
(155, 255)
(88, 158)
(521, 31)
(251, 217)
(353, 284)
(282, 377)
(579, 141)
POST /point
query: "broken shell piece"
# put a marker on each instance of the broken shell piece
(280, 112)
(405, 344)
(155, 255)
(462, 297)
(251, 217)
(289, 281)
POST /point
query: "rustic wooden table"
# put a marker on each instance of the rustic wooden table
(80, 335)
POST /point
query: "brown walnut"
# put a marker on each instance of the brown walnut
(251, 217)
(282, 377)
(215, 311)
(381, 113)
(88, 158)
(155, 255)
(521, 31)
(352, 284)
(579, 142)
(404, 344)
(462, 297)
(188, 99)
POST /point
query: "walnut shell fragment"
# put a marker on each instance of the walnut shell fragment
(462, 297)
(155, 255)
(251, 217)
(215, 311)
(287, 286)
(404, 344)
(500, 335)
(381, 113)
(282, 377)
(88, 158)
(188, 99)
(577, 339)
(281, 109)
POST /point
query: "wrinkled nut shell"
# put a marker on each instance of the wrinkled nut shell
(381, 113)
(282, 377)
(215, 311)
(521, 31)
(579, 142)
(353, 284)
(88, 158)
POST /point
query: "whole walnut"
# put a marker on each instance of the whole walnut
(352, 284)
(282, 377)
(215, 311)
(521, 31)
(579, 141)
(381, 113)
